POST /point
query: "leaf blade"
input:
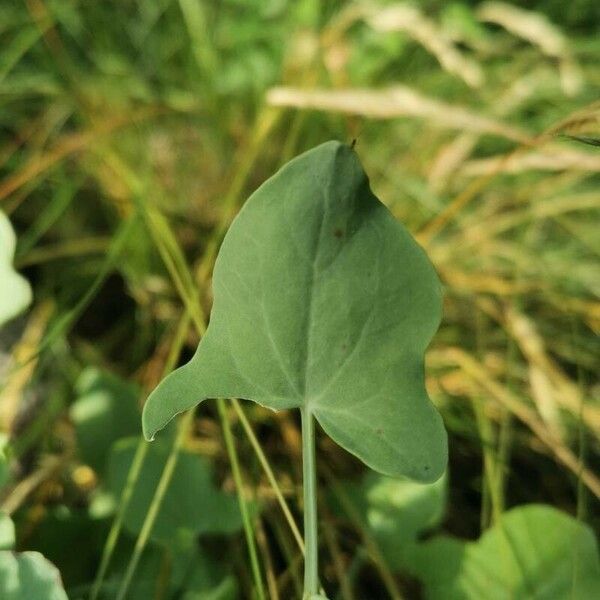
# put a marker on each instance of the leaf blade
(322, 301)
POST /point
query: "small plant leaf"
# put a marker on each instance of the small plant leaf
(16, 292)
(322, 301)
(29, 575)
(397, 512)
(105, 411)
(4, 469)
(7, 532)
(192, 503)
(534, 551)
(192, 575)
(25, 575)
(63, 529)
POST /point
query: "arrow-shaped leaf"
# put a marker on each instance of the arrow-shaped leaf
(322, 301)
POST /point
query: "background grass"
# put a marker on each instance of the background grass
(132, 131)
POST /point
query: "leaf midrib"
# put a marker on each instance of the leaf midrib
(311, 302)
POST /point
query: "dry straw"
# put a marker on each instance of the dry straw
(393, 102)
(540, 32)
(410, 20)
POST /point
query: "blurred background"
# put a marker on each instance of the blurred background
(131, 132)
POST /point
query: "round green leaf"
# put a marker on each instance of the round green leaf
(29, 575)
(16, 292)
(322, 301)
(7, 532)
(534, 551)
(397, 512)
(105, 410)
(192, 503)
(192, 574)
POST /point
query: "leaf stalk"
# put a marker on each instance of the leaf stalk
(311, 541)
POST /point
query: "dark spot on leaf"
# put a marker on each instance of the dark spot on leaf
(344, 346)
(379, 431)
(338, 233)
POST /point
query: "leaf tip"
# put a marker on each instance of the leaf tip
(149, 432)
(152, 421)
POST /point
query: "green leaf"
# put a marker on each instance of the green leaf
(105, 411)
(191, 574)
(534, 551)
(16, 292)
(29, 575)
(149, 577)
(25, 575)
(4, 473)
(225, 590)
(397, 512)
(7, 532)
(192, 503)
(62, 529)
(4, 470)
(322, 301)
(203, 575)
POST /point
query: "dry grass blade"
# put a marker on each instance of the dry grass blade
(409, 19)
(71, 144)
(581, 118)
(11, 388)
(487, 230)
(485, 283)
(393, 102)
(539, 31)
(548, 377)
(525, 24)
(453, 155)
(590, 141)
(545, 397)
(19, 494)
(480, 375)
(449, 159)
(584, 121)
(553, 157)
